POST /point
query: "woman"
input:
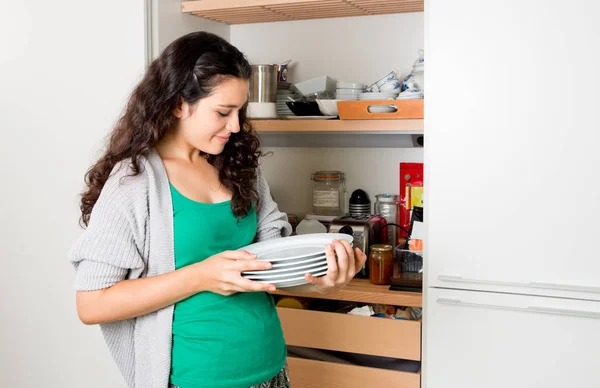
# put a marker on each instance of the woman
(167, 207)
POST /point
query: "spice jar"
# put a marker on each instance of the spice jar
(328, 193)
(381, 264)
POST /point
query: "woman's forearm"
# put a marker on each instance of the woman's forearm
(136, 297)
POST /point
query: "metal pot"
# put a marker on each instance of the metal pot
(263, 83)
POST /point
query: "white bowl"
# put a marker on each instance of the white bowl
(391, 76)
(349, 85)
(378, 96)
(262, 110)
(346, 98)
(316, 85)
(349, 91)
(390, 86)
(328, 107)
(411, 95)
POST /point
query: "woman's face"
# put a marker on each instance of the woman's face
(207, 125)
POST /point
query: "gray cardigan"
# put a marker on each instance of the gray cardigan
(130, 235)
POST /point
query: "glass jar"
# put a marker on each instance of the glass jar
(328, 193)
(387, 205)
(381, 264)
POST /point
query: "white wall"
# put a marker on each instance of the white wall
(356, 49)
(169, 23)
(352, 49)
(66, 68)
(375, 170)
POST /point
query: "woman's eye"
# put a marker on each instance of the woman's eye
(224, 114)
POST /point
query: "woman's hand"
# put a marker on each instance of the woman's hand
(341, 270)
(221, 273)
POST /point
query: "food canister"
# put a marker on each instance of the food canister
(328, 193)
(263, 83)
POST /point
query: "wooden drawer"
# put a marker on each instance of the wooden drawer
(321, 374)
(353, 334)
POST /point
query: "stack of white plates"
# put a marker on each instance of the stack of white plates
(348, 90)
(292, 258)
(379, 96)
(284, 95)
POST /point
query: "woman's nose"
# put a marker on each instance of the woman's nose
(234, 124)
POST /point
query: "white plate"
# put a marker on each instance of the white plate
(298, 262)
(349, 85)
(310, 117)
(291, 253)
(378, 99)
(302, 252)
(300, 282)
(295, 242)
(291, 265)
(286, 275)
(294, 281)
(296, 267)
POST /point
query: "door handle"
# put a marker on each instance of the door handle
(529, 309)
(545, 286)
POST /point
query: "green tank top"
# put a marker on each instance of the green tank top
(220, 341)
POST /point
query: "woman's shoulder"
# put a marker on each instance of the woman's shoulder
(262, 187)
(127, 183)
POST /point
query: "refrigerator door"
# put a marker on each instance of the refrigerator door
(512, 160)
(479, 339)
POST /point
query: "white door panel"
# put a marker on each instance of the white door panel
(512, 161)
(479, 339)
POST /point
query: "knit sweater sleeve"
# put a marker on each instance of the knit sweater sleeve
(112, 247)
(272, 223)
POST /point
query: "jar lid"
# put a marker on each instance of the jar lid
(381, 248)
(262, 67)
(328, 176)
(387, 197)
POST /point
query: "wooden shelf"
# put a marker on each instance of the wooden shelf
(264, 11)
(408, 126)
(361, 290)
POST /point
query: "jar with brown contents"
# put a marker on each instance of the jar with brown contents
(381, 264)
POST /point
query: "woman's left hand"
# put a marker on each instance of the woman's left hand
(341, 269)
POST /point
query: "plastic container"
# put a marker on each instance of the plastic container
(408, 261)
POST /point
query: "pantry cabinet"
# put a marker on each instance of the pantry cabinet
(352, 49)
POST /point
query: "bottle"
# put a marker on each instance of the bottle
(387, 205)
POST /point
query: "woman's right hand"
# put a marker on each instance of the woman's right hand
(222, 273)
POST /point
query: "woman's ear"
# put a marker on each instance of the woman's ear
(182, 111)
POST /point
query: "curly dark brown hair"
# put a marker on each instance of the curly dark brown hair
(189, 69)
